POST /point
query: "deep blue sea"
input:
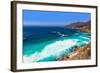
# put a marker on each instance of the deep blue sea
(50, 43)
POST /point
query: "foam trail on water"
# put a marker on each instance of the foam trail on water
(85, 37)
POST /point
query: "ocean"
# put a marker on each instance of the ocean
(44, 44)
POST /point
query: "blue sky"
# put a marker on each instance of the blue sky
(48, 18)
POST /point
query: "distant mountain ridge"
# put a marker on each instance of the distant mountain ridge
(83, 26)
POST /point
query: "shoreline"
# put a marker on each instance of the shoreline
(80, 53)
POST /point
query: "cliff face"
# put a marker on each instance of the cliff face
(80, 53)
(83, 53)
(82, 26)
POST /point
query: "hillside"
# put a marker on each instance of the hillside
(82, 26)
(80, 53)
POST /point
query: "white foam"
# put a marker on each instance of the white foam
(51, 50)
(86, 42)
(84, 37)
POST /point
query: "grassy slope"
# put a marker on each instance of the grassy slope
(83, 53)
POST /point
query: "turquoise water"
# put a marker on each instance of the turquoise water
(51, 49)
